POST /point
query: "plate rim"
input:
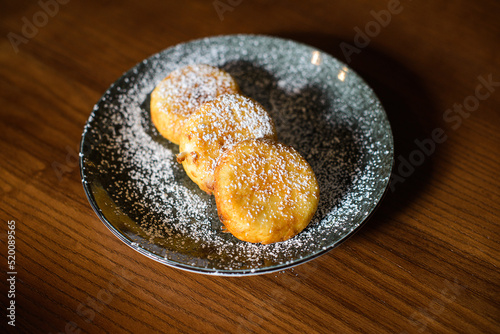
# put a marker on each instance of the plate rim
(230, 272)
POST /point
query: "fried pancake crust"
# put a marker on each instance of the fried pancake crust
(265, 191)
(182, 92)
(216, 126)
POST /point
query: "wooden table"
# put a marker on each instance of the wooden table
(426, 262)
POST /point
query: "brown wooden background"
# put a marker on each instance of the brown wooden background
(427, 261)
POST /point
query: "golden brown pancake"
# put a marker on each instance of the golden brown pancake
(216, 126)
(182, 92)
(265, 191)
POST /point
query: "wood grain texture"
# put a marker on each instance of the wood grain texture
(426, 262)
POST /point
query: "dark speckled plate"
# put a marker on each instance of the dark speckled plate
(320, 107)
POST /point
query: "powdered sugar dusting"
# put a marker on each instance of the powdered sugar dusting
(266, 192)
(189, 87)
(219, 124)
(338, 126)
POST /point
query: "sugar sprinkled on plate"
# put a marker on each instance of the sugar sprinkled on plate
(339, 127)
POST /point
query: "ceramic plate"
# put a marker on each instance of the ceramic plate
(319, 106)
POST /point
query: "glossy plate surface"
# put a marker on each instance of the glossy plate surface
(319, 106)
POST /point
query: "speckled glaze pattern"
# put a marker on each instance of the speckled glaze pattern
(319, 106)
